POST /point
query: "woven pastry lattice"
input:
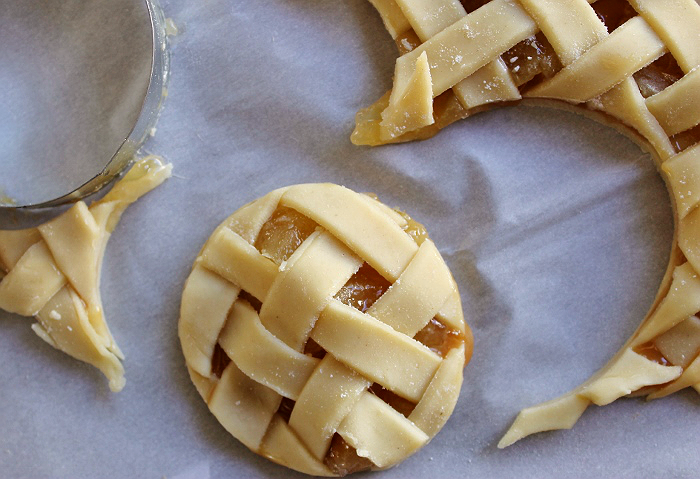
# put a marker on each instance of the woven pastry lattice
(637, 62)
(288, 364)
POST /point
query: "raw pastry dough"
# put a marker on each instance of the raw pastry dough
(52, 272)
(324, 330)
(639, 63)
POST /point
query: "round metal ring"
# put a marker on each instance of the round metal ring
(28, 215)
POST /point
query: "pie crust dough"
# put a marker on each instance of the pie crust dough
(52, 272)
(465, 57)
(298, 305)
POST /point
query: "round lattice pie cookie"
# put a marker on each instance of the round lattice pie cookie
(635, 61)
(324, 330)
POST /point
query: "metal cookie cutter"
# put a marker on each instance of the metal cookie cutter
(82, 30)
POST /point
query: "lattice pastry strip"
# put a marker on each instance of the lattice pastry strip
(412, 107)
(420, 15)
(374, 349)
(625, 101)
(329, 396)
(678, 345)
(379, 432)
(53, 271)
(243, 406)
(688, 229)
(676, 22)
(283, 446)
(394, 19)
(571, 27)
(364, 228)
(678, 107)
(31, 282)
(640, 68)
(470, 91)
(262, 356)
(601, 67)
(301, 278)
(447, 66)
(230, 256)
(424, 286)
(437, 403)
(324, 330)
(206, 301)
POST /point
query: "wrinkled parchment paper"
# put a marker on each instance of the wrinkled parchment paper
(557, 230)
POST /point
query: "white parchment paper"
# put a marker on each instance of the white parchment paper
(557, 230)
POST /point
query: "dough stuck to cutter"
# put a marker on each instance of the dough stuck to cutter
(52, 272)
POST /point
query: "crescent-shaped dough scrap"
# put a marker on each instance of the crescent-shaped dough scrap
(52, 272)
(474, 63)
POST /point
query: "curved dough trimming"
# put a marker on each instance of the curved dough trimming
(581, 42)
(52, 272)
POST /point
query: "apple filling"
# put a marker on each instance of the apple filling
(282, 234)
(531, 61)
(342, 458)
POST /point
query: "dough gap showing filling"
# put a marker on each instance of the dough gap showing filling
(324, 331)
(637, 62)
(52, 272)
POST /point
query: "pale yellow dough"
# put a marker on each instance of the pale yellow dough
(266, 346)
(463, 54)
(52, 272)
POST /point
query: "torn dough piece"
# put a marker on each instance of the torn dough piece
(410, 107)
(324, 330)
(638, 62)
(52, 272)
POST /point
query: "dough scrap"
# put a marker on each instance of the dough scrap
(52, 272)
(597, 70)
